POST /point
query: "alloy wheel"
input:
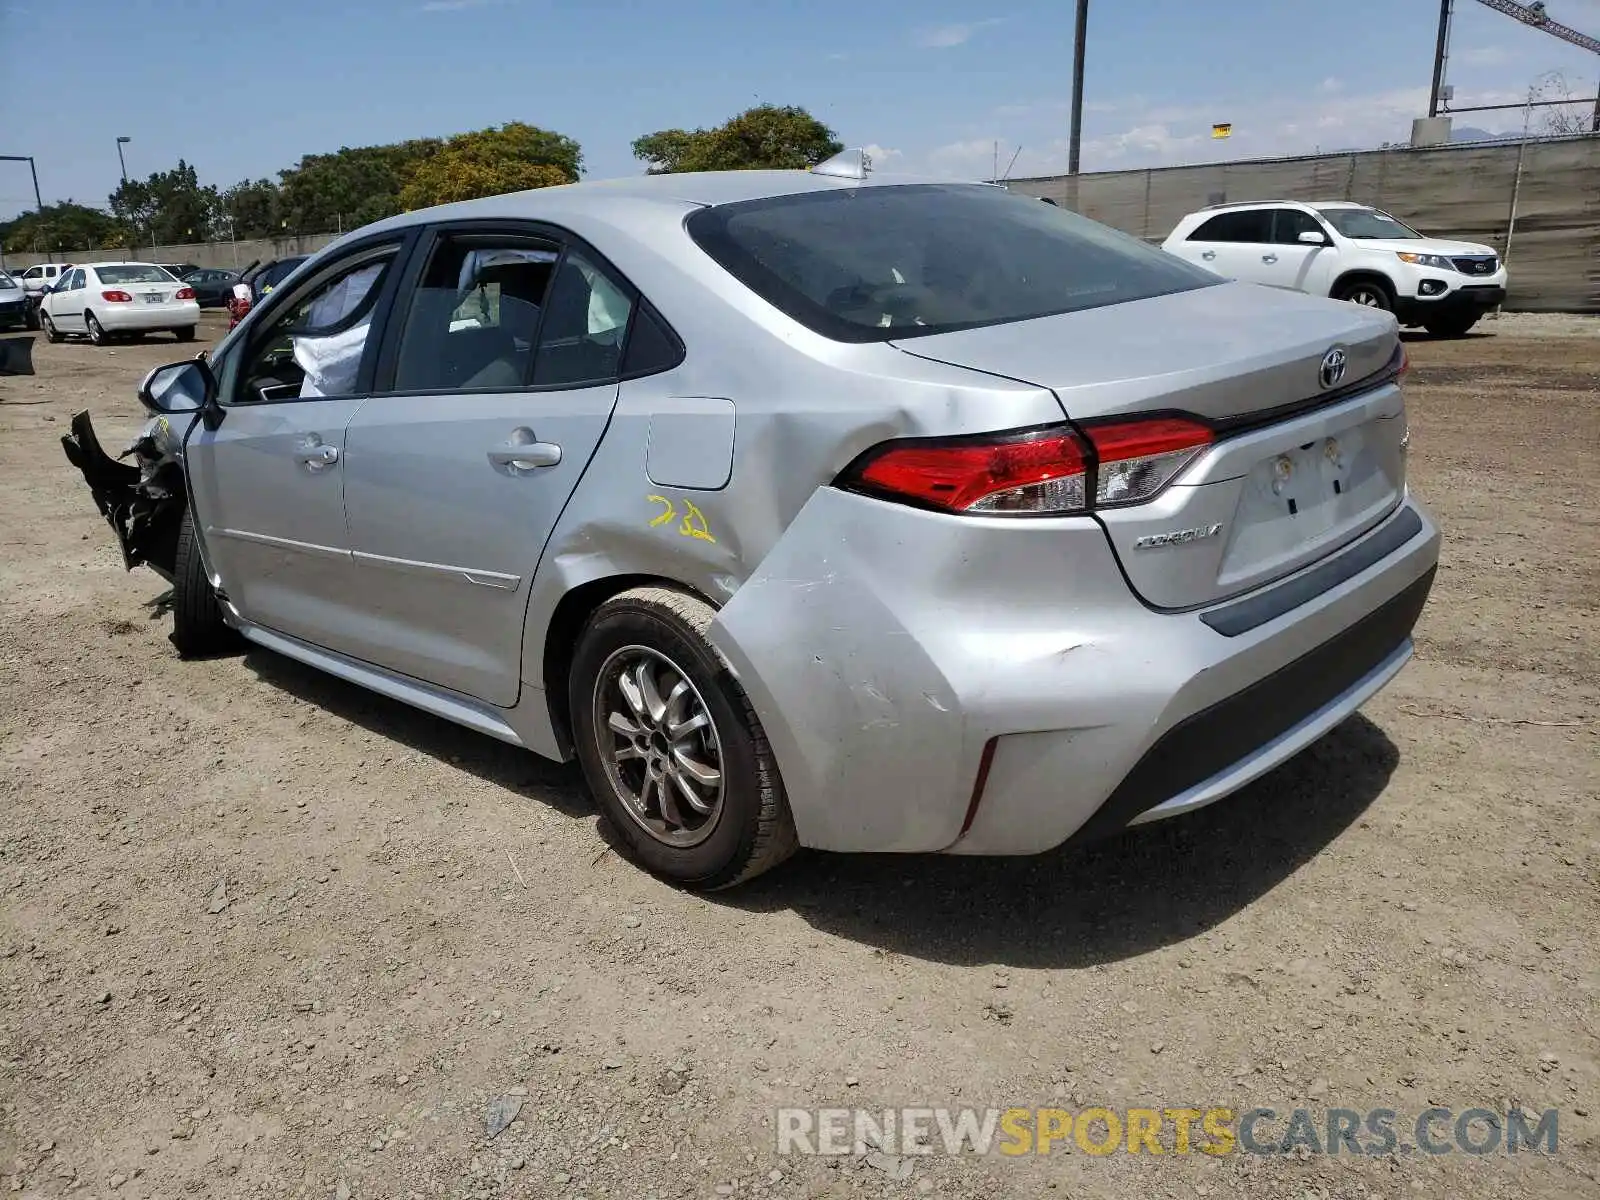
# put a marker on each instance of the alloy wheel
(659, 745)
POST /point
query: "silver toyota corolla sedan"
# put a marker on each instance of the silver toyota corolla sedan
(803, 508)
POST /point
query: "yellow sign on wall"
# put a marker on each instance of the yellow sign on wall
(1221, 131)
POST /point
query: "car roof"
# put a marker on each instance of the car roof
(117, 263)
(598, 199)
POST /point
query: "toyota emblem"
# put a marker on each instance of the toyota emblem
(1333, 364)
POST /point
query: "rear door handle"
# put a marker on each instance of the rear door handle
(318, 457)
(1208, 255)
(1269, 258)
(525, 452)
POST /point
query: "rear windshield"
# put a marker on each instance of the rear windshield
(133, 273)
(875, 263)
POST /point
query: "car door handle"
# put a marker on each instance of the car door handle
(1208, 255)
(518, 456)
(1269, 258)
(318, 457)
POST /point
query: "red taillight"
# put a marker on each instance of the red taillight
(184, 294)
(1035, 472)
(1405, 362)
(116, 296)
(1041, 473)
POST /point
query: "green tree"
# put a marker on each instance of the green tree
(767, 137)
(488, 162)
(169, 207)
(350, 187)
(251, 209)
(64, 226)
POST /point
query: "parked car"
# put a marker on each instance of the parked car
(39, 280)
(801, 508)
(13, 303)
(270, 274)
(1350, 252)
(178, 270)
(105, 300)
(212, 286)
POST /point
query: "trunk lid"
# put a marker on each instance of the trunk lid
(1278, 490)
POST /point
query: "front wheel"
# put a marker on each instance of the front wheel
(198, 629)
(1368, 294)
(97, 335)
(51, 333)
(670, 746)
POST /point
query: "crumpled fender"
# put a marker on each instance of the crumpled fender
(867, 731)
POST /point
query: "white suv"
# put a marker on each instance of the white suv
(1350, 252)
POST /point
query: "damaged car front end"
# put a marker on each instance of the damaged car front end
(142, 500)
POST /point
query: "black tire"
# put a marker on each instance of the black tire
(184, 333)
(97, 335)
(51, 333)
(198, 630)
(750, 829)
(1450, 327)
(1370, 293)
(30, 317)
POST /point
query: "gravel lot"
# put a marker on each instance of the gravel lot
(264, 934)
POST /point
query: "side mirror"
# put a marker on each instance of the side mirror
(1311, 237)
(180, 387)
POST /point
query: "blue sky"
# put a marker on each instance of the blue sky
(932, 86)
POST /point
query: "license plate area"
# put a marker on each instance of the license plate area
(1307, 495)
(153, 297)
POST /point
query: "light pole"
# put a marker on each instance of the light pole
(34, 171)
(1076, 137)
(123, 163)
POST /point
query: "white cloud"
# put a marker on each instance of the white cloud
(1330, 85)
(943, 37)
(1147, 135)
(1481, 56)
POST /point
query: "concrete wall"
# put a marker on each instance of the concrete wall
(1459, 191)
(232, 255)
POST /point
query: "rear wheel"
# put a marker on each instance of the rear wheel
(198, 629)
(97, 335)
(51, 333)
(1368, 293)
(30, 317)
(670, 745)
(1451, 327)
(184, 333)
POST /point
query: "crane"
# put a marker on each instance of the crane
(1532, 15)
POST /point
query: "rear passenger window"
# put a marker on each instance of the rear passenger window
(471, 324)
(1253, 225)
(585, 323)
(652, 347)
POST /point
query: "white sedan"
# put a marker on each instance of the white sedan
(103, 300)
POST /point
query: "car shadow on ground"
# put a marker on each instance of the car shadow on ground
(1070, 908)
(1078, 906)
(558, 785)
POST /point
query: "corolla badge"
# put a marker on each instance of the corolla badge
(1176, 537)
(1333, 365)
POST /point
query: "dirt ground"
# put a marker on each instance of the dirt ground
(264, 934)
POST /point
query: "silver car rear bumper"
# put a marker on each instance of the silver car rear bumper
(895, 656)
